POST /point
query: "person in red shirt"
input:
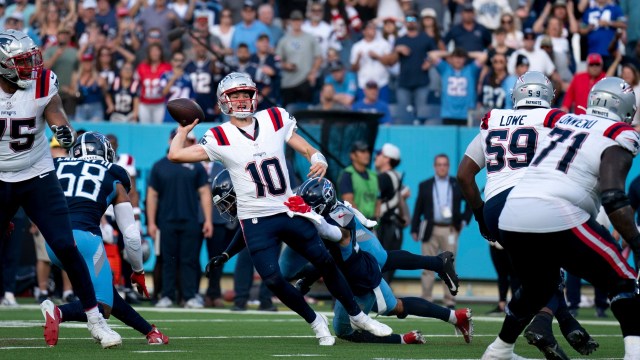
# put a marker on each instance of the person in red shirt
(575, 100)
(151, 108)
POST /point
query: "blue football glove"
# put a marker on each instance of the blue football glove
(64, 135)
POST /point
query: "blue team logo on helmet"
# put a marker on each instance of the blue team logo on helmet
(319, 194)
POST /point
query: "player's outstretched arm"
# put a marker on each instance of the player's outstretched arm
(179, 153)
(318, 162)
(59, 123)
(467, 171)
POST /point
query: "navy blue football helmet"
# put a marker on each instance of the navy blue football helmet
(319, 194)
(93, 146)
(224, 196)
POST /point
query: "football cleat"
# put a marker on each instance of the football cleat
(448, 273)
(545, 342)
(155, 337)
(368, 324)
(52, 321)
(102, 332)
(493, 353)
(464, 324)
(582, 342)
(414, 337)
(321, 328)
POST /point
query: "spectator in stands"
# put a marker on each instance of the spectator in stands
(122, 98)
(241, 62)
(575, 99)
(105, 65)
(413, 80)
(88, 85)
(328, 99)
(184, 9)
(22, 7)
(49, 20)
(562, 61)
(157, 16)
(179, 216)
(600, 22)
(151, 108)
(629, 73)
(224, 31)
(522, 65)
(498, 46)
(344, 83)
(235, 8)
(300, 61)
(320, 29)
(267, 76)
(372, 103)
(266, 16)
(358, 184)
(538, 59)
(561, 10)
(369, 58)
(106, 16)
(86, 15)
(175, 83)
(469, 34)
(15, 21)
(248, 30)
(345, 21)
(489, 12)
(514, 36)
(431, 27)
(495, 92)
(205, 75)
(458, 82)
(62, 59)
(631, 10)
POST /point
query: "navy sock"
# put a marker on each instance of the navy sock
(421, 307)
(404, 260)
(79, 276)
(125, 313)
(512, 327)
(74, 311)
(367, 337)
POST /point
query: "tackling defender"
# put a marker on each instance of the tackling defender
(29, 98)
(251, 146)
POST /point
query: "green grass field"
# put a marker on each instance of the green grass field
(221, 334)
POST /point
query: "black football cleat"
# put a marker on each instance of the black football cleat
(544, 340)
(582, 342)
(448, 273)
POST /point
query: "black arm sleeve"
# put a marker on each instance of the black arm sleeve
(237, 244)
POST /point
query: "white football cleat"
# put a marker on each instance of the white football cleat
(321, 327)
(362, 321)
(500, 350)
(102, 332)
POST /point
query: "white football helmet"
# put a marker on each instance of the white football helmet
(20, 58)
(232, 83)
(533, 88)
(612, 98)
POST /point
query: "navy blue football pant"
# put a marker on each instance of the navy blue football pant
(43, 201)
(588, 251)
(263, 236)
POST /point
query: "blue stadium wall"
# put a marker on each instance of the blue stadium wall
(418, 145)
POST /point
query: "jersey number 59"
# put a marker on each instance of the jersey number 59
(515, 149)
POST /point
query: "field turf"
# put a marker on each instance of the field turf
(221, 334)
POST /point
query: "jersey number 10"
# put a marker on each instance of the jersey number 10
(266, 170)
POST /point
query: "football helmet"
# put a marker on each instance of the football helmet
(612, 98)
(93, 146)
(534, 89)
(224, 196)
(319, 194)
(20, 58)
(232, 83)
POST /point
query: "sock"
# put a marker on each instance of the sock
(125, 313)
(290, 296)
(401, 259)
(359, 317)
(367, 337)
(421, 307)
(73, 311)
(453, 319)
(498, 343)
(632, 347)
(79, 276)
(512, 328)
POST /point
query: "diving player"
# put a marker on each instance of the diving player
(28, 101)
(91, 182)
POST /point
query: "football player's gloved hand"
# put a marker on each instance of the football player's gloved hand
(216, 261)
(297, 204)
(64, 135)
(137, 280)
(484, 230)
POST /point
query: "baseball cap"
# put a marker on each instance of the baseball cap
(428, 12)
(2, 3)
(529, 34)
(122, 12)
(249, 4)
(360, 146)
(594, 59)
(522, 60)
(190, 135)
(560, 3)
(296, 15)
(154, 34)
(89, 4)
(468, 7)
(391, 151)
(336, 65)
(87, 57)
(16, 15)
(371, 84)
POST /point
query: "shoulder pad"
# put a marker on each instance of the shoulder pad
(625, 135)
(552, 117)
(46, 84)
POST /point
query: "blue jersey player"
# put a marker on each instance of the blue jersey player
(91, 182)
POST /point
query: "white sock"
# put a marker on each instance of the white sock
(632, 347)
(316, 321)
(453, 319)
(93, 315)
(402, 339)
(501, 344)
(66, 293)
(360, 317)
(9, 295)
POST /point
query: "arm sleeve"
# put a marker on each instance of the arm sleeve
(236, 245)
(474, 151)
(121, 175)
(328, 231)
(127, 224)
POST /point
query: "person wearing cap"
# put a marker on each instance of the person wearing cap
(248, 30)
(489, 12)
(561, 56)
(562, 11)
(343, 81)
(394, 212)
(538, 59)
(62, 58)
(431, 27)
(358, 184)
(328, 100)
(522, 65)
(15, 21)
(413, 81)
(179, 213)
(22, 7)
(576, 97)
(267, 74)
(600, 23)
(300, 61)
(320, 29)
(369, 58)
(469, 34)
(371, 103)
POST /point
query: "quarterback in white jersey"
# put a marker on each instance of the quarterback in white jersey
(28, 99)
(549, 219)
(251, 146)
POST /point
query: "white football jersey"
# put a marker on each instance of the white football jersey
(560, 189)
(24, 149)
(256, 165)
(507, 143)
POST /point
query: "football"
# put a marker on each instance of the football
(185, 111)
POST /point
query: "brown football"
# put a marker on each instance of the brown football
(185, 111)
